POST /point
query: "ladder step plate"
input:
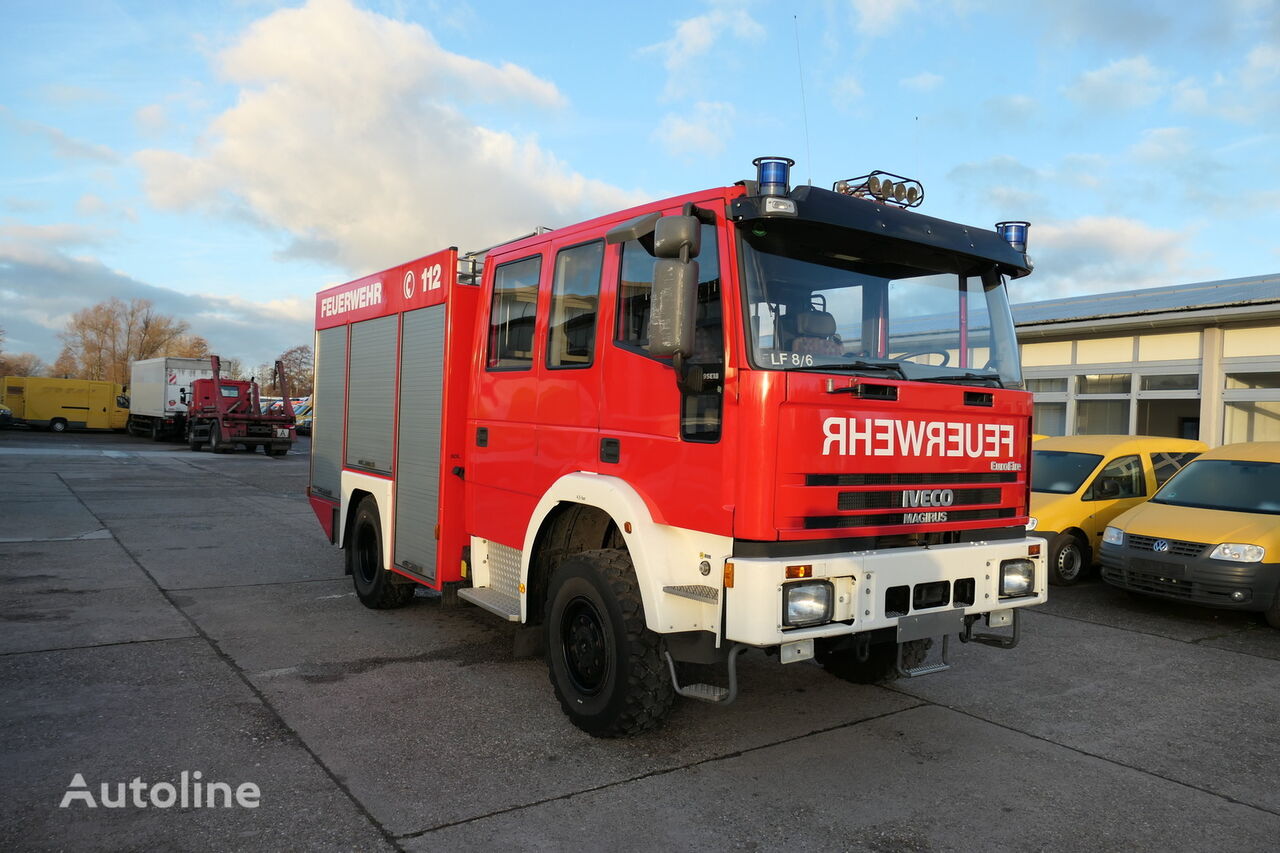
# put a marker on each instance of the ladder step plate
(506, 606)
(928, 669)
(705, 692)
(697, 592)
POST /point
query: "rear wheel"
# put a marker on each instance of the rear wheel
(880, 665)
(57, 425)
(374, 585)
(155, 431)
(192, 442)
(605, 664)
(1068, 560)
(216, 442)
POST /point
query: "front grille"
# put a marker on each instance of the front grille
(910, 479)
(1169, 581)
(1177, 547)
(925, 515)
(888, 500)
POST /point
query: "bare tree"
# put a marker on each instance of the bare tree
(22, 364)
(299, 370)
(104, 339)
(66, 367)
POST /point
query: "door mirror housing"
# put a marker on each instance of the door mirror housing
(672, 235)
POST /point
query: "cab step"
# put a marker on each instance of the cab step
(495, 601)
(710, 692)
(925, 668)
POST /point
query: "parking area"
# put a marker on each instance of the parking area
(168, 612)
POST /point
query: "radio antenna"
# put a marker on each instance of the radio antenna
(804, 106)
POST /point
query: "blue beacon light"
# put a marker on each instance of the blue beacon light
(773, 174)
(1015, 234)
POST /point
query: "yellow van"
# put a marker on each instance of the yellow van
(63, 404)
(1211, 536)
(1079, 483)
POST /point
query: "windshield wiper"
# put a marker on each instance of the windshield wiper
(964, 377)
(887, 367)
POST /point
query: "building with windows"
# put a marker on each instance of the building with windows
(1191, 361)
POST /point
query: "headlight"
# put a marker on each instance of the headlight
(1016, 578)
(1238, 553)
(1113, 536)
(805, 604)
(1032, 522)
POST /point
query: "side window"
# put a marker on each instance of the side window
(1122, 478)
(575, 297)
(636, 288)
(1168, 464)
(513, 314)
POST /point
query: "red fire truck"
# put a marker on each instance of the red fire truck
(788, 419)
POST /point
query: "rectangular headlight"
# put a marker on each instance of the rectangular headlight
(808, 603)
(1017, 577)
(1113, 536)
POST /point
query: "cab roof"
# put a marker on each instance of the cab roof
(1249, 451)
(1105, 445)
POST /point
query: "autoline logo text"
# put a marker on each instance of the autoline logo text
(190, 791)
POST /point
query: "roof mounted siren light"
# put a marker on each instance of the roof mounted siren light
(1015, 233)
(773, 174)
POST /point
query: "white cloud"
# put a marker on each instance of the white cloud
(695, 37)
(1164, 145)
(1097, 254)
(42, 283)
(879, 17)
(925, 81)
(1123, 85)
(702, 134)
(1247, 94)
(350, 134)
(847, 89)
(151, 119)
(62, 145)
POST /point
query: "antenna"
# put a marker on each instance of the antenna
(804, 106)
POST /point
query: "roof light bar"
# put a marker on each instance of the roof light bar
(883, 187)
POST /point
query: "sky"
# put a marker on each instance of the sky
(227, 160)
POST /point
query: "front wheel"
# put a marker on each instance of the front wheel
(1273, 612)
(216, 442)
(605, 664)
(58, 425)
(1067, 560)
(374, 585)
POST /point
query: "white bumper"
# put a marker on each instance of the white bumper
(861, 580)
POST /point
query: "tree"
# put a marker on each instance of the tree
(105, 339)
(21, 364)
(299, 370)
(66, 367)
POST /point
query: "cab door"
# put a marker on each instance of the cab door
(1123, 483)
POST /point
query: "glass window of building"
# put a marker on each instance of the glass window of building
(1103, 383)
(1102, 417)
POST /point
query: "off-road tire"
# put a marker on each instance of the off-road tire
(606, 666)
(57, 425)
(881, 664)
(375, 585)
(1068, 560)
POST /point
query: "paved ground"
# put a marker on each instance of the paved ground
(164, 611)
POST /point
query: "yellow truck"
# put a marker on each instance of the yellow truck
(63, 404)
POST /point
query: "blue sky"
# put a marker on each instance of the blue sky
(227, 160)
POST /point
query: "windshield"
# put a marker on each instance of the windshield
(811, 307)
(1225, 484)
(1060, 472)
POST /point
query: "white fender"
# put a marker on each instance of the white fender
(382, 490)
(662, 555)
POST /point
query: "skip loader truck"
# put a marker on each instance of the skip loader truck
(754, 417)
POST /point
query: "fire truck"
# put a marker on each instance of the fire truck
(754, 417)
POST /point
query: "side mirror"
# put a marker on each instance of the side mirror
(673, 307)
(673, 234)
